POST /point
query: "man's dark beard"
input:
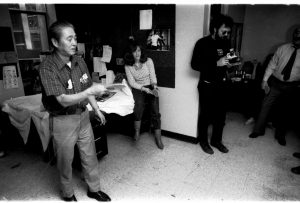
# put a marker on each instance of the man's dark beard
(223, 42)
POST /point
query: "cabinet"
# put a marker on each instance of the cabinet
(100, 137)
(29, 29)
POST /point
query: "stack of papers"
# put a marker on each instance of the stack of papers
(105, 96)
(115, 86)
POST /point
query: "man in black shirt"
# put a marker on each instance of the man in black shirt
(210, 58)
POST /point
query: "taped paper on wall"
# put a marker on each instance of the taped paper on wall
(10, 78)
(110, 77)
(99, 66)
(107, 52)
(81, 48)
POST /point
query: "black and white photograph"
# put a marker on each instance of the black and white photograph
(149, 101)
(159, 40)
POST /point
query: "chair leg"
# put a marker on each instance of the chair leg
(137, 129)
(158, 141)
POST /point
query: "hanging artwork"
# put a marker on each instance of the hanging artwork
(10, 78)
(159, 40)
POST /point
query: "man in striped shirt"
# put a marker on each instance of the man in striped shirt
(66, 89)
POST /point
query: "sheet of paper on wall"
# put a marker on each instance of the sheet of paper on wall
(81, 48)
(10, 79)
(107, 52)
(146, 19)
(99, 66)
(110, 77)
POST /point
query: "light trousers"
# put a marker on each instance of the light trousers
(69, 130)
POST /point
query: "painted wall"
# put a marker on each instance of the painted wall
(266, 27)
(179, 105)
(15, 92)
(237, 12)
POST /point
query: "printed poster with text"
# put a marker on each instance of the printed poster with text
(10, 78)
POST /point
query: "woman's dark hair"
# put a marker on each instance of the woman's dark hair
(218, 21)
(56, 28)
(128, 56)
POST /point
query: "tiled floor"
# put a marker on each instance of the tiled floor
(254, 169)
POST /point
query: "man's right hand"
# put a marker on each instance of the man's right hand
(265, 87)
(96, 89)
(223, 61)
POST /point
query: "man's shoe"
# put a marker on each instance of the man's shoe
(100, 196)
(206, 148)
(296, 170)
(255, 135)
(70, 199)
(281, 140)
(297, 155)
(220, 147)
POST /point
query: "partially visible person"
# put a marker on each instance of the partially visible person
(141, 77)
(280, 82)
(210, 57)
(296, 170)
(2, 150)
(66, 89)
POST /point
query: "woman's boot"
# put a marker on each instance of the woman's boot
(157, 135)
(137, 128)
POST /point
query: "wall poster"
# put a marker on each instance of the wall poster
(10, 78)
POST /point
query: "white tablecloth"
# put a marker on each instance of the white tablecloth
(22, 110)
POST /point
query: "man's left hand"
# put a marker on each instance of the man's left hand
(101, 117)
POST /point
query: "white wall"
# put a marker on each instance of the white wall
(266, 27)
(179, 105)
(237, 12)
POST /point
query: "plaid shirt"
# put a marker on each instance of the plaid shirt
(58, 78)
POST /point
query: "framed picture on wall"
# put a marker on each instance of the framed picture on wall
(159, 39)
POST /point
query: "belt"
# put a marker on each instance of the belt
(275, 80)
(71, 111)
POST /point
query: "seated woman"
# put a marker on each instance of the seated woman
(141, 77)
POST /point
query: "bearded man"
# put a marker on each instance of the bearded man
(211, 59)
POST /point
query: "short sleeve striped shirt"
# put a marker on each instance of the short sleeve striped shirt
(58, 78)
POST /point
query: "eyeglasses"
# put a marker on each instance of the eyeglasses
(226, 32)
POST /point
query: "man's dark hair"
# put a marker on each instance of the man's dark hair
(55, 29)
(218, 21)
(128, 56)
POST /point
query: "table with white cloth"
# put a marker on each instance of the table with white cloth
(23, 110)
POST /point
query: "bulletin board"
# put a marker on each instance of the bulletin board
(164, 56)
